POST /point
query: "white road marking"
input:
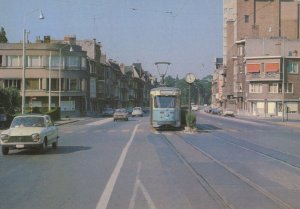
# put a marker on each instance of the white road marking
(139, 184)
(100, 122)
(104, 199)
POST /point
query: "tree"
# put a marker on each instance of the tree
(9, 100)
(3, 38)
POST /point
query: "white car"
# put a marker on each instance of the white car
(228, 113)
(29, 131)
(195, 108)
(137, 111)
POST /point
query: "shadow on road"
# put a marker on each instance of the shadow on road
(50, 151)
(207, 127)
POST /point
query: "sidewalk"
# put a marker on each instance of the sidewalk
(292, 122)
(63, 121)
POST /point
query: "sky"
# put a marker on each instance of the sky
(186, 33)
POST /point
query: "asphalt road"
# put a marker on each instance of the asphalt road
(228, 163)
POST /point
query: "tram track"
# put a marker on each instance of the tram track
(218, 197)
(270, 156)
(213, 193)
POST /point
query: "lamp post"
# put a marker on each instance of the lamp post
(49, 76)
(59, 73)
(283, 79)
(24, 57)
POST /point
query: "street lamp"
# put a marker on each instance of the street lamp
(282, 53)
(59, 74)
(41, 16)
(283, 79)
(49, 76)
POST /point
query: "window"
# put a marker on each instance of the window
(14, 61)
(74, 61)
(246, 17)
(255, 88)
(271, 67)
(83, 62)
(74, 84)
(55, 61)
(292, 68)
(32, 84)
(54, 84)
(0, 60)
(253, 68)
(34, 61)
(273, 88)
(238, 87)
(165, 102)
(12, 83)
(241, 51)
(289, 87)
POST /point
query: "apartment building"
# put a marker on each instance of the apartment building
(55, 73)
(261, 40)
(73, 75)
(217, 83)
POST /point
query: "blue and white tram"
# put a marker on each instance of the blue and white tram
(165, 107)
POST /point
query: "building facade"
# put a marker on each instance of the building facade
(73, 75)
(54, 74)
(260, 43)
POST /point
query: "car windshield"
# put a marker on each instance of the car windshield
(28, 122)
(137, 109)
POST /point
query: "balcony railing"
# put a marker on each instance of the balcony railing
(263, 77)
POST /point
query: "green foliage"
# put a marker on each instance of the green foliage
(190, 118)
(170, 81)
(3, 38)
(10, 100)
(184, 111)
(54, 114)
(200, 89)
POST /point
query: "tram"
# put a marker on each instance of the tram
(165, 108)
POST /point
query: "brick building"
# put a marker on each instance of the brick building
(261, 45)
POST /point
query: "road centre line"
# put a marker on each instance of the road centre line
(105, 197)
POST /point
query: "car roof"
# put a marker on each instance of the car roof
(32, 115)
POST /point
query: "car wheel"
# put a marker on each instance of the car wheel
(5, 150)
(43, 147)
(54, 145)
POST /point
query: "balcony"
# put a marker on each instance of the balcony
(263, 77)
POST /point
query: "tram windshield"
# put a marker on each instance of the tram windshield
(165, 102)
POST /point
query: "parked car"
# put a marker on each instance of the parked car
(29, 131)
(207, 109)
(216, 111)
(195, 107)
(228, 112)
(137, 111)
(121, 114)
(129, 110)
(108, 112)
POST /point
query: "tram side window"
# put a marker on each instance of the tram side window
(165, 102)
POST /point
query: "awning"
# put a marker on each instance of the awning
(271, 67)
(253, 68)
